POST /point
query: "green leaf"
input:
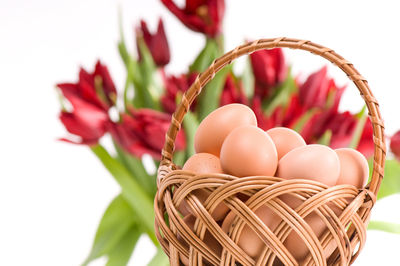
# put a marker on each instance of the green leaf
(121, 253)
(302, 121)
(123, 51)
(281, 96)
(206, 56)
(391, 181)
(248, 79)
(135, 166)
(210, 97)
(326, 138)
(160, 259)
(116, 222)
(179, 157)
(129, 83)
(133, 193)
(150, 88)
(190, 124)
(384, 226)
(362, 119)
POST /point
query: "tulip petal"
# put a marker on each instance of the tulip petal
(395, 144)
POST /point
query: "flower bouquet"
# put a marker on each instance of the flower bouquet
(138, 116)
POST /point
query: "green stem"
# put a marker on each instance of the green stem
(135, 167)
(132, 192)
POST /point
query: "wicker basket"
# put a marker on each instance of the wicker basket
(346, 230)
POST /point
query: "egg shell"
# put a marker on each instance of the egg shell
(204, 163)
(249, 241)
(249, 151)
(294, 242)
(285, 140)
(208, 239)
(314, 162)
(354, 169)
(213, 130)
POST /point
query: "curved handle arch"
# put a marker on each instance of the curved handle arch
(248, 48)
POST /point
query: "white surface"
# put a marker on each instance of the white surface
(52, 194)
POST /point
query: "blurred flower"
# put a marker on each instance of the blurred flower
(263, 121)
(395, 145)
(95, 88)
(85, 121)
(175, 86)
(269, 70)
(232, 92)
(320, 97)
(203, 16)
(341, 125)
(320, 93)
(317, 90)
(143, 132)
(157, 43)
(91, 98)
(366, 145)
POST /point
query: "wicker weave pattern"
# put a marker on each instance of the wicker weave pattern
(344, 209)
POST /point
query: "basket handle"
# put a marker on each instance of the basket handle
(248, 48)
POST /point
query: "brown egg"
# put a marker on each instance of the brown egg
(208, 239)
(249, 241)
(213, 130)
(204, 163)
(314, 162)
(294, 242)
(354, 168)
(285, 140)
(249, 151)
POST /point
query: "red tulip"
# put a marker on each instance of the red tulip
(91, 98)
(175, 86)
(366, 145)
(203, 16)
(232, 92)
(157, 43)
(341, 125)
(95, 88)
(264, 122)
(317, 89)
(86, 121)
(269, 70)
(319, 94)
(143, 132)
(395, 144)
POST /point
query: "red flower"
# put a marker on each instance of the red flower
(95, 88)
(269, 70)
(264, 122)
(203, 16)
(395, 145)
(157, 43)
(366, 145)
(85, 121)
(91, 97)
(232, 92)
(143, 132)
(175, 86)
(317, 89)
(319, 94)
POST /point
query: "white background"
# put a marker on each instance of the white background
(52, 194)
